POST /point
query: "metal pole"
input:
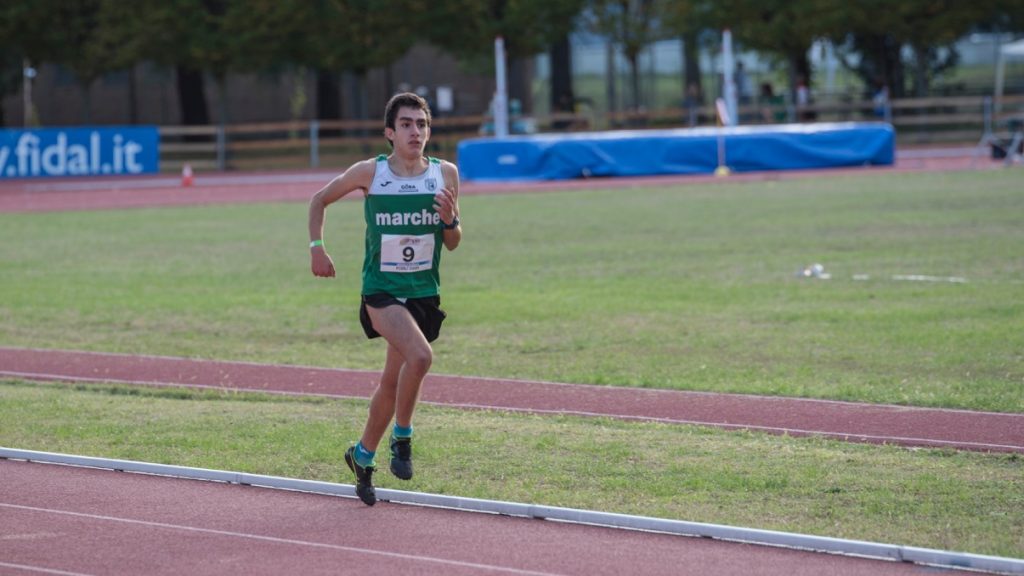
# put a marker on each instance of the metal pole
(728, 78)
(501, 91)
(314, 143)
(28, 112)
(987, 112)
(222, 152)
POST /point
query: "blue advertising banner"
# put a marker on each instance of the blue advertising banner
(90, 151)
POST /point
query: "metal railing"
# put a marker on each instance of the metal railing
(339, 143)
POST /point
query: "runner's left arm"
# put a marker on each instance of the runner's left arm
(446, 203)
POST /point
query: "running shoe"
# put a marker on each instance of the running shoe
(401, 457)
(364, 478)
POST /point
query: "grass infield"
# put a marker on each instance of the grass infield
(943, 499)
(691, 287)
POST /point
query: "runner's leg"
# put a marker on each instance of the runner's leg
(382, 404)
(398, 327)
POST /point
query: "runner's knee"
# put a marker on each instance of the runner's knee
(420, 359)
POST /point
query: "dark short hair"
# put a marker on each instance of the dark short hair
(404, 100)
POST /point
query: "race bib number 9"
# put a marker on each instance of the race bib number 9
(401, 253)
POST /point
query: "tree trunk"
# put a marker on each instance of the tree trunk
(86, 103)
(610, 79)
(922, 66)
(562, 96)
(133, 104)
(634, 77)
(518, 87)
(692, 75)
(191, 97)
(328, 99)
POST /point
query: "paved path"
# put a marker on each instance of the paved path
(987, 431)
(67, 520)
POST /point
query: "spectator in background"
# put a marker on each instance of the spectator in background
(804, 100)
(692, 103)
(880, 100)
(743, 91)
(772, 110)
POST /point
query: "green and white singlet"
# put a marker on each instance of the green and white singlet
(404, 233)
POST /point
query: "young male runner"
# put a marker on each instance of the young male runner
(411, 207)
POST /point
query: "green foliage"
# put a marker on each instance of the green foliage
(631, 24)
(94, 37)
(877, 30)
(467, 28)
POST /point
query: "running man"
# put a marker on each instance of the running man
(411, 205)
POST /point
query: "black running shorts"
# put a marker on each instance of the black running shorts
(425, 311)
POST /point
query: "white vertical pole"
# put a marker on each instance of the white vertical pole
(1000, 75)
(28, 73)
(501, 91)
(728, 77)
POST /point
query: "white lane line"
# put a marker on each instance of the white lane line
(846, 436)
(276, 540)
(40, 570)
(794, 541)
(902, 440)
(570, 385)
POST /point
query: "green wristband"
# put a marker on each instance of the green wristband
(316, 243)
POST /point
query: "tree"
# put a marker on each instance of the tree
(359, 35)
(11, 60)
(467, 29)
(783, 28)
(689, 19)
(632, 25)
(877, 31)
(74, 35)
(563, 97)
(184, 35)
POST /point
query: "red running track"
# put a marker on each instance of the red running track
(908, 426)
(66, 520)
(102, 193)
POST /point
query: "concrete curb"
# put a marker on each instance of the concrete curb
(892, 552)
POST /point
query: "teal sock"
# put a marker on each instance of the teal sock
(401, 431)
(363, 456)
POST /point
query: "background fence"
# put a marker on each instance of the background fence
(315, 144)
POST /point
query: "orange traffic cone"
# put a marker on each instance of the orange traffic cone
(186, 175)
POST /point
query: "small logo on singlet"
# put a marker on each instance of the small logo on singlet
(385, 183)
(431, 184)
(409, 188)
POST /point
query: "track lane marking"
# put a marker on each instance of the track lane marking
(277, 540)
(27, 568)
(845, 436)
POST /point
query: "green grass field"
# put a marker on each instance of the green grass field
(930, 498)
(691, 287)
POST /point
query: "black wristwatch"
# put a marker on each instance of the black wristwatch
(453, 225)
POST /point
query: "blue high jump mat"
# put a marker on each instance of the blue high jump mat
(677, 151)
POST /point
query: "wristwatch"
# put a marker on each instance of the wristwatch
(453, 225)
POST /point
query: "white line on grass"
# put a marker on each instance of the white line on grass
(376, 374)
(846, 436)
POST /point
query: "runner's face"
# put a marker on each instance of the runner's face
(411, 131)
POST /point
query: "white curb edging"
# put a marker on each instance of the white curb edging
(925, 556)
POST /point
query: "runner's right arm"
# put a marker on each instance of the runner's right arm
(358, 177)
